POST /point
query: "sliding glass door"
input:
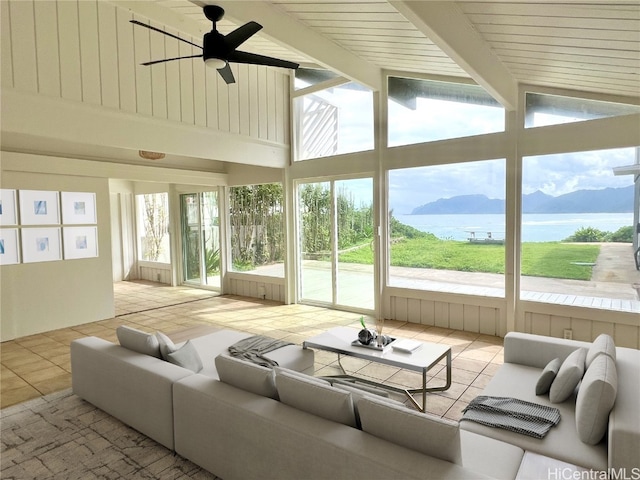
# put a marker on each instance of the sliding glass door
(336, 250)
(200, 239)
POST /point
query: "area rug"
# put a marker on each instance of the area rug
(61, 436)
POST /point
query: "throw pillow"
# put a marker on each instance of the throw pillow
(547, 376)
(595, 400)
(317, 397)
(247, 376)
(186, 356)
(138, 341)
(423, 432)
(166, 345)
(568, 377)
(603, 344)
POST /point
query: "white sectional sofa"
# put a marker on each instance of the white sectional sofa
(243, 421)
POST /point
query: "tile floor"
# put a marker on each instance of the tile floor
(40, 364)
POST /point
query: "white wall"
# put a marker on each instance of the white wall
(44, 296)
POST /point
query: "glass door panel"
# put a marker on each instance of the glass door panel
(354, 269)
(191, 241)
(336, 243)
(201, 238)
(314, 200)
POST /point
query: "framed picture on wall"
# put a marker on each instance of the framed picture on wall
(39, 207)
(9, 251)
(41, 244)
(80, 242)
(8, 211)
(78, 207)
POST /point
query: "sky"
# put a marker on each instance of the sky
(436, 119)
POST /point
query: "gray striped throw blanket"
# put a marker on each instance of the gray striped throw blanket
(254, 348)
(512, 414)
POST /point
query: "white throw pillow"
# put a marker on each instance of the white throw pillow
(316, 397)
(166, 345)
(547, 376)
(247, 376)
(568, 377)
(603, 344)
(595, 400)
(423, 432)
(358, 392)
(138, 341)
(187, 357)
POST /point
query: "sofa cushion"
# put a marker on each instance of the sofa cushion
(423, 432)
(569, 376)
(547, 376)
(595, 400)
(359, 391)
(315, 396)
(166, 345)
(187, 357)
(602, 345)
(138, 341)
(247, 376)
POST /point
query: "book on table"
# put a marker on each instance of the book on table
(406, 345)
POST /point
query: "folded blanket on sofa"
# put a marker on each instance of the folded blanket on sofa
(512, 414)
(254, 348)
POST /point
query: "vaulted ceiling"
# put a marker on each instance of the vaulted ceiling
(590, 46)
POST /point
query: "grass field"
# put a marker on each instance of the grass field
(539, 259)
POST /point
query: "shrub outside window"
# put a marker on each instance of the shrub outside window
(153, 227)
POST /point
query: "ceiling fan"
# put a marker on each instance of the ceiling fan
(218, 50)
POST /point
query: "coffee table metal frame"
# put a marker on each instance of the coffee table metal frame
(338, 340)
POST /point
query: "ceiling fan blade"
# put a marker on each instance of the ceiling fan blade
(136, 22)
(241, 34)
(253, 58)
(226, 74)
(146, 64)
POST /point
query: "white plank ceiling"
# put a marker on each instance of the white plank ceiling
(591, 46)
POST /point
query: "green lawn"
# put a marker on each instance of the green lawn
(539, 259)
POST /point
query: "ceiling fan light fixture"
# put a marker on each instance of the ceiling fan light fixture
(148, 155)
(216, 63)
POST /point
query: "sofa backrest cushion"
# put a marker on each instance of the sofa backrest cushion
(315, 396)
(166, 345)
(595, 400)
(602, 345)
(138, 341)
(246, 375)
(187, 357)
(423, 432)
(547, 376)
(569, 376)
(359, 391)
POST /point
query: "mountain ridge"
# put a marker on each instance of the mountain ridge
(606, 200)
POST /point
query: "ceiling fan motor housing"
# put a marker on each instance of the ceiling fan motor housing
(214, 46)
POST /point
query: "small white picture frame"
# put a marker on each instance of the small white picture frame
(9, 251)
(41, 244)
(39, 207)
(78, 208)
(8, 210)
(80, 242)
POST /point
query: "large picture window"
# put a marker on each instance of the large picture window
(425, 111)
(578, 229)
(153, 227)
(542, 110)
(257, 229)
(447, 227)
(334, 121)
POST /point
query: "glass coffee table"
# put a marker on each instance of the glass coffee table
(340, 340)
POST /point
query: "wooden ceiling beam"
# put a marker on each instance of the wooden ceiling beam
(449, 28)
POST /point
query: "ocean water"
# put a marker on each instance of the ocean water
(535, 227)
